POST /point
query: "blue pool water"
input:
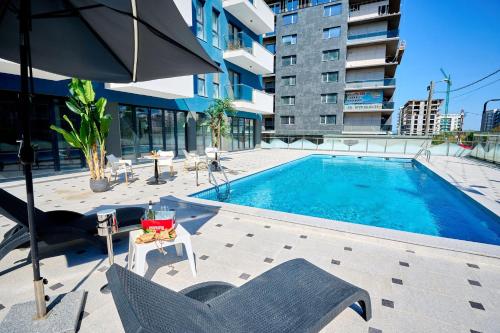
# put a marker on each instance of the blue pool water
(396, 194)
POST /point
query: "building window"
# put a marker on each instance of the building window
(287, 120)
(216, 85)
(332, 10)
(290, 19)
(333, 32)
(330, 55)
(292, 5)
(200, 20)
(275, 7)
(289, 60)
(271, 47)
(289, 80)
(215, 28)
(382, 10)
(329, 98)
(201, 85)
(328, 119)
(354, 8)
(289, 39)
(288, 100)
(330, 77)
(269, 87)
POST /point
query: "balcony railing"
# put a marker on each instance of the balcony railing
(387, 34)
(249, 99)
(238, 41)
(240, 92)
(371, 83)
(366, 128)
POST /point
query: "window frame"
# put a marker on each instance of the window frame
(292, 37)
(215, 85)
(291, 98)
(324, 52)
(327, 10)
(200, 20)
(202, 78)
(216, 20)
(329, 30)
(326, 117)
(290, 120)
(292, 63)
(327, 76)
(325, 99)
(286, 80)
(294, 16)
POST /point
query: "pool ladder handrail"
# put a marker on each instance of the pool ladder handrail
(211, 178)
(425, 151)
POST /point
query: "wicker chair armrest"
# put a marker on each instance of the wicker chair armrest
(206, 291)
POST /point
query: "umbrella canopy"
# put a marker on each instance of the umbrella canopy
(112, 41)
(106, 40)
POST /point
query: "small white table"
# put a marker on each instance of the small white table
(137, 252)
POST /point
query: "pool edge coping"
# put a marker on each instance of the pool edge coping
(437, 242)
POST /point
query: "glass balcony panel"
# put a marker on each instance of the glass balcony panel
(387, 34)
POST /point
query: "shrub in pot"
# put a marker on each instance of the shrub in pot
(90, 138)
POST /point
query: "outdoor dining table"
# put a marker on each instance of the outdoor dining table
(157, 180)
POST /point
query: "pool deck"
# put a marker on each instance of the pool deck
(414, 288)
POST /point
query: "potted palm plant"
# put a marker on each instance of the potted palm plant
(217, 114)
(90, 138)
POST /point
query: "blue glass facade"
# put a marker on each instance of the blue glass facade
(165, 122)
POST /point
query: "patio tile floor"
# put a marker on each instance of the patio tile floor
(440, 290)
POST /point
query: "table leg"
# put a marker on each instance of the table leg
(156, 170)
(178, 249)
(140, 262)
(189, 252)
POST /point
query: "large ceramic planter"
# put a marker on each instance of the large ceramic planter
(100, 185)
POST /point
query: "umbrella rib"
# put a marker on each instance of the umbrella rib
(162, 35)
(100, 39)
(136, 40)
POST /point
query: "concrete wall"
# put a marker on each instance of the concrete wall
(308, 89)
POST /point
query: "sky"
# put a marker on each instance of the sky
(460, 36)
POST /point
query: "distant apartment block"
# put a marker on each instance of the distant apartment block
(490, 120)
(335, 66)
(453, 122)
(413, 118)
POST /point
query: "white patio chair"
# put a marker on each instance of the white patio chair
(117, 165)
(192, 160)
(166, 160)
(212, 154)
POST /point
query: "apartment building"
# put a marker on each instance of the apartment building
(413, 119)
(162, 114)
(335, 66)
(490, 119)
(452, 122)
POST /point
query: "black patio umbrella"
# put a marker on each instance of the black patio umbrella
(101, 40)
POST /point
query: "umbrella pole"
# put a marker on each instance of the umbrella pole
(27, 154)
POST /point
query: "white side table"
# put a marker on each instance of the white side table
(137, 252)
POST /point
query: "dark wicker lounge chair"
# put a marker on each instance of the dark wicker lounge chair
(57, 226)
(295, 296)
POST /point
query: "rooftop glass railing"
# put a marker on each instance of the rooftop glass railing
(371, 83)
(387, 34)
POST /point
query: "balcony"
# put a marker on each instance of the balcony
(373, 37)
(246, 98)
(371, 84)
(171, 88)
(374, 107)
(254, 14)
(241, 50)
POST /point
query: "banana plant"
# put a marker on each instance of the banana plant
(90, 138)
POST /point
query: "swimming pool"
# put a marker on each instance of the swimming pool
(391, 193)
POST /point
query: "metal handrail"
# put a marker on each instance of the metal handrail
(211, 178)
(424, 150)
